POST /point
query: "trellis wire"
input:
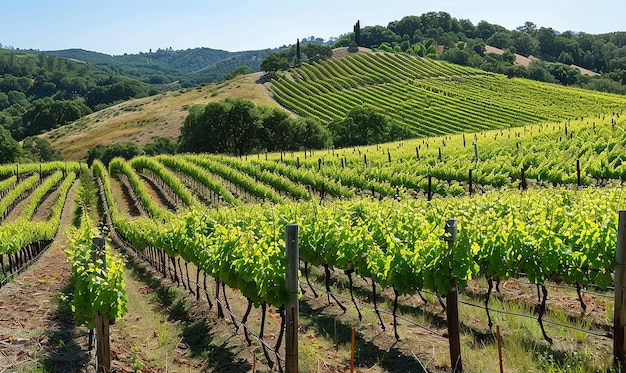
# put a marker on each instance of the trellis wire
(143, 257)
(383, 311)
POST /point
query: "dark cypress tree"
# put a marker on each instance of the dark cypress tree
(298, 55)
(357, 33)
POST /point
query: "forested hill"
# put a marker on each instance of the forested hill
(39, 92)
(186, 67)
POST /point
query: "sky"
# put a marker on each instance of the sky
(116, 27)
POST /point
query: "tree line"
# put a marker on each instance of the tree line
(438, 35)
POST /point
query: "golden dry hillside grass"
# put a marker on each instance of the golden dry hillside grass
(143, 120)
(525, 61)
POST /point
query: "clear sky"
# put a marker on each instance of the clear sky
(116, 27)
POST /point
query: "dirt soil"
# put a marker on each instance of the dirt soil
(165, 331)
(36, 329)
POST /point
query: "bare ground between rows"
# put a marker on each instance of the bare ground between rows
(36, 329)
(325, 334)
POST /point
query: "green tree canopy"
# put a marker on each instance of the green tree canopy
(10, 150)
(362, 126)
(106, 153)
(162, 145)
(41, 150)
(46, 114)
(238, 126)
(274, 62)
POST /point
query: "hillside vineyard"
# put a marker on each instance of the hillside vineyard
(431, 97)
(543, 232)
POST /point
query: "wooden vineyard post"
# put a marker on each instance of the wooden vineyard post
(430, 188)
(499, 348)
(103, 343)
(619, 318)
(452, 307)
(293, 263)
(352, 354)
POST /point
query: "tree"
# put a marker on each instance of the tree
(457, 56)
(566, 58)
(46, 114)
(500, 40)
(311, 134)
(274, 62)
(485, 29)
(547, 41)
(406, 26)
(525, 44)
(298, 54)
(362, 126)
(527, 27)
(275, 132)
(41, 150)
(106, 153)
(240, 70)
(162, 145)
(10, 150)
(316, 52)
(538, 70)
(227, 126)
(375, 35)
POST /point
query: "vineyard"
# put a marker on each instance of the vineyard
(23, 235)
(532, 189)
(537, 201)
(431, 97)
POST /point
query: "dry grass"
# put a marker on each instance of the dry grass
(143, 120)
(525, 61)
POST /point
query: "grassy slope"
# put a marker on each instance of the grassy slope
(143, 120)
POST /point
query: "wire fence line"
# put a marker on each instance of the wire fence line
(607, 335)
(25, 265)
(145, 258)
(558, 286)
(588, 331)
(383, 310)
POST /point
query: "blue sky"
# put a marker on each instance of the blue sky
(131, 26)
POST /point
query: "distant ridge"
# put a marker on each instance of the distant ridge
(190, 67)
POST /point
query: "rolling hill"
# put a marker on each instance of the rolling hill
(429, 97)
(143, 120)
(188, 67)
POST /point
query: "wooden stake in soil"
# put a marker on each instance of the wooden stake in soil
(619, 318)
(452, 307)
(352, 354)
(293, 257)
(499, 348)
(103, 343)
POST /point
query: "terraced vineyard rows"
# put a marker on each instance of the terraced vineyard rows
(431, 97)
(24, 236)
(570, 153)
(545, 233)
(364, 211)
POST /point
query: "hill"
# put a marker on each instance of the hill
(143, 120)
(187, 67)
(431, 97)
(40, 92)
(428, 97)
